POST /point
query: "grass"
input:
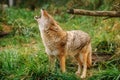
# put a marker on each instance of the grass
(108, 74)
(22, 54)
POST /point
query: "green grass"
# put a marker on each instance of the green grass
(22, 54)
(108, 74)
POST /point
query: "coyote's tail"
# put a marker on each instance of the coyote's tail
(89, 57)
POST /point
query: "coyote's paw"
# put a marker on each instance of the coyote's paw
(77, 73)
(83, 76)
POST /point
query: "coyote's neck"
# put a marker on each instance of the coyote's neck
(52, 32)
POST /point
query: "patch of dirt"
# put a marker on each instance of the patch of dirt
(6, 29)
(102, 57)
(96, 58)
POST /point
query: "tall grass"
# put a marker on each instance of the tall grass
(17, 65)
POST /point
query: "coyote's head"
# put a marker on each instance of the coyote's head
(45, 20)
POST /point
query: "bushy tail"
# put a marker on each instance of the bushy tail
(89, 57)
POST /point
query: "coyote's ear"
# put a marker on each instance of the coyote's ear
(44, 13)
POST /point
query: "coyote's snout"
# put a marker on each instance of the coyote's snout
(59, 43)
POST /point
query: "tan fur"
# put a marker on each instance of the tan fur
(60, 43)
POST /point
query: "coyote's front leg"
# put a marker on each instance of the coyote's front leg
(51, 62)
(62, 62)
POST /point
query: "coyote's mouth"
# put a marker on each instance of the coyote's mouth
(37, 17)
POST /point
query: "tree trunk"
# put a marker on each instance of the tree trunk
(94, 13)
(10, 3)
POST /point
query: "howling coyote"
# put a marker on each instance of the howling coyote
(59, 43)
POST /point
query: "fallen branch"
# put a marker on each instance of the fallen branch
(94, 13)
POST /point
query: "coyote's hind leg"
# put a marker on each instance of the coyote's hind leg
(77, 57)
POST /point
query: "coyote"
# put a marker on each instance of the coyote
(59, 43)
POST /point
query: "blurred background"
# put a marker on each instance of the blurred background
(88, 4)
(22, 54)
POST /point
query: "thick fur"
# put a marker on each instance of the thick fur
(60, 43)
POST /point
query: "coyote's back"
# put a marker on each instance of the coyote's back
(76, 40)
